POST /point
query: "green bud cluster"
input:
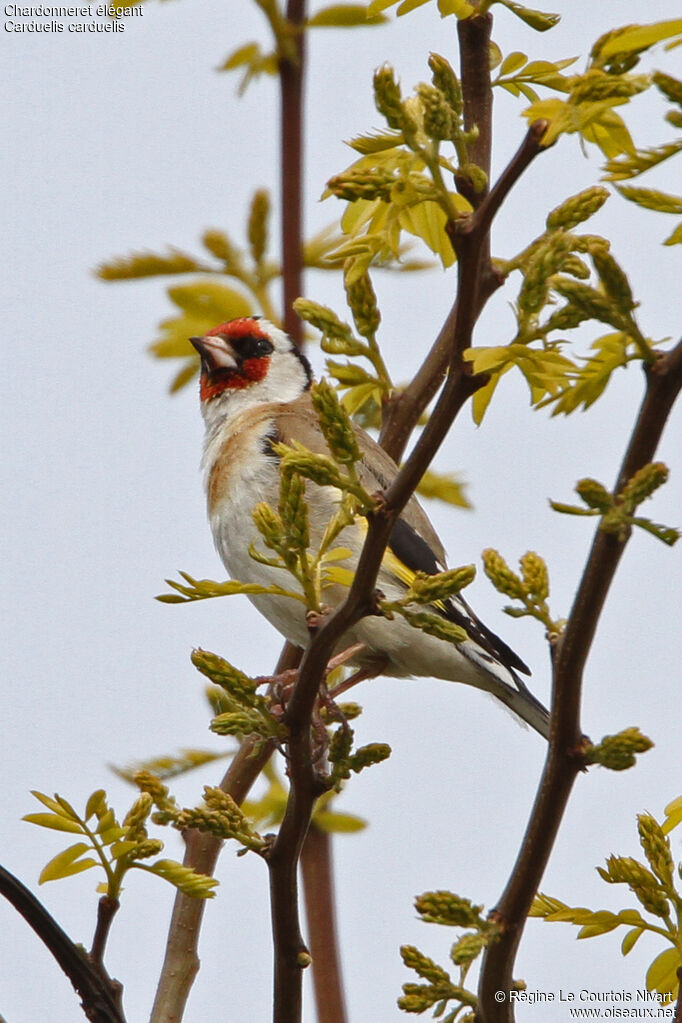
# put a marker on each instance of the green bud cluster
(335, 424)
(596, 85)
(669, 86)
(151, 783)
(423, 965)
(613, 280)
(353, 185)
(447, 82)
(500, 575)
(337, 337)
(221, 672)
(594, 494)
(221, 817)
(363, 304)
(468, 948)
(591, 303)
(146, 848)
(577, 208)
(259, 215)
(641, 882)
(293, 510)
(389, 101)
(546, 260)
(432, 624)
(136, 818)
(617, 752)
(437, 115)
(656, 846)
(427, 589)
(442, 907)
(643, 484)
(535, 576)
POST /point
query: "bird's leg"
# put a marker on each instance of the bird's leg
(372, 670)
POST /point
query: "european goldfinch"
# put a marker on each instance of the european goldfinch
(254, 392)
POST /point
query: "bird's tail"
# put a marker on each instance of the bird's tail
(521, 701)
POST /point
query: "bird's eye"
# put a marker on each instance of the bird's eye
(264, 346)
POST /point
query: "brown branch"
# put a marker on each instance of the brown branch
(477, 94)
(181, 961)
(318, 891)
(291, 71)
(305, 785)
(564, 759)
(106, 911)
(100, 995)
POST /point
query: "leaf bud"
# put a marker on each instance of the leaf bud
(500, 575)
(577, 208)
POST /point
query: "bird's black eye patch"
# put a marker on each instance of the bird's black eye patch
(254, 347)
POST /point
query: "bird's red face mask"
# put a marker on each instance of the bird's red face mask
(233, 355)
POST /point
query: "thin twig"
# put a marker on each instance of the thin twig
(291, 70)
(564, 759)
(100, 995)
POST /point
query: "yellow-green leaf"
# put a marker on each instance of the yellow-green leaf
(344, 16)
(95, 803)
(331, 821)
(54, 821)
(539, 20)
(74, 868)
(630, 938)
(662, 974)
(512, 62)
(635, 38)
(243, 55)
(61, 864)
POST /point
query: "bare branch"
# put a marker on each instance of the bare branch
(291, 71)
(564, 759)
(100, 995)
(318, 890)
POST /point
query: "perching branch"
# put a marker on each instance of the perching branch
(181, 961)
(100, 995)
(564, 758)
(291, 955)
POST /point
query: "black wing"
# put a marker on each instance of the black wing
(414, 551)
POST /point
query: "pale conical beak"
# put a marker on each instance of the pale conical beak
(216, 353)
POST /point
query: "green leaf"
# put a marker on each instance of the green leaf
(47, 801)
(676, 237)
(630, 938)
(635, 38)
(662, 974)
(652, 199)
(344, 823)
(512, 62)
(673, 815)
(539, 20)
(54, 821)
(344, 16)
(243, 55)
(75, 868)
(96, 803)
(63, 864)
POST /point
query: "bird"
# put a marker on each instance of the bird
(255, 392)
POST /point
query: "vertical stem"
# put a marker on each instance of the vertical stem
(318, 889)
(291, 70)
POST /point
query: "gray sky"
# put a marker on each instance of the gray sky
(131, 141)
